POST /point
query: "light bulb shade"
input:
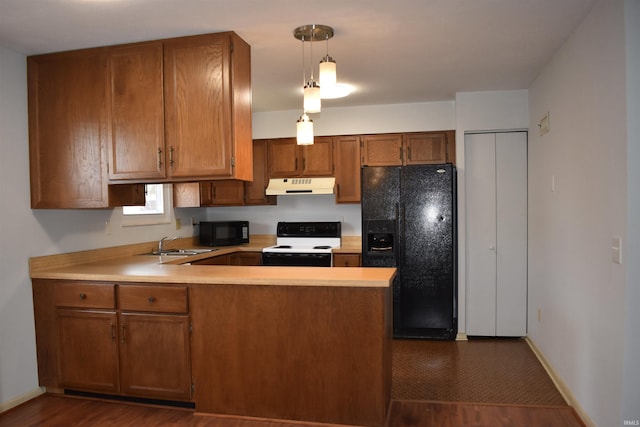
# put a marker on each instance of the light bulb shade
(304, 130)
(327, 73)
(312, 102)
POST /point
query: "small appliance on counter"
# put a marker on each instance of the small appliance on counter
(224, 233)
(304, 244)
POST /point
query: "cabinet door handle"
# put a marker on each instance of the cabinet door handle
(83, 296)
(123, 335)
(151, 300)
(113, 331)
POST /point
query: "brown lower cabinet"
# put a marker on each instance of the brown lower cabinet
(346, 260)
(88, 350)
(131, 340)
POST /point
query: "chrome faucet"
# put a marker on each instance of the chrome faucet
(165, 241)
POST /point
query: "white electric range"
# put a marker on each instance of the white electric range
(304, 244)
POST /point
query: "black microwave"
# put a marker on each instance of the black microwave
(224, 233)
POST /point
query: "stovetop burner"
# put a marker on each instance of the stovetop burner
(322, 247)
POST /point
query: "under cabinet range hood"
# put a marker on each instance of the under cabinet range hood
(293, 186)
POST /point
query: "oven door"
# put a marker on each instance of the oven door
(297, 259)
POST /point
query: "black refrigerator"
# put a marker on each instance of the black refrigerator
(409, 222)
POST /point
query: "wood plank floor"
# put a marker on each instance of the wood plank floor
(492, 383)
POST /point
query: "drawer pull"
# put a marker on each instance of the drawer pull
(83, 295)
(151, 300)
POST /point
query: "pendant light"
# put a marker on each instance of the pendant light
(304, 130)
(327, 74)
(304, 125)
(312, 33)
(312, 90)
(312, 101)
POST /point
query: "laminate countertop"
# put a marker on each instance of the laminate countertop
(131, 264)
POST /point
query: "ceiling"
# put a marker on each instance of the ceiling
(400, 51)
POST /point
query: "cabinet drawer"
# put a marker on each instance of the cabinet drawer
(165, 299)
(85, 295)
(346, 260)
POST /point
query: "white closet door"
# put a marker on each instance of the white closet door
(480, 190)
(511, 232)
(496, 234)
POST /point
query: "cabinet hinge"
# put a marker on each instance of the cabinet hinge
(233, 161)
(193, 388)
(190, 328)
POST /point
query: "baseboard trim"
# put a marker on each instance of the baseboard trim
(5, 406)
(563, 388)
(461, 336)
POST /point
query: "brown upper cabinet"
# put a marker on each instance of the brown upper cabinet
(287, 159)
(408, 148)
(137, 149)
(181, 109)
(68, 133)
(346, 156)
(162, 111)
(229, 192)
(254, 191)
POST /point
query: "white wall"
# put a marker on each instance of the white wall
(26, 233)
(631, 390)
(477, 112)
(428, 116)
(579, 291)
(18, 373)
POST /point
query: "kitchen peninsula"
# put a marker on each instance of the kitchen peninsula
(293, 343)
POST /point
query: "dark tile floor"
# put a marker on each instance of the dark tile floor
(503, 371)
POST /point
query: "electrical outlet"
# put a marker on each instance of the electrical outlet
(178, 223)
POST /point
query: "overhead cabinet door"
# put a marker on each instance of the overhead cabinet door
(137, 112)
(496, 233)
(198, 106)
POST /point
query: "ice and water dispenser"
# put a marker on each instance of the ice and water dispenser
(380, 242)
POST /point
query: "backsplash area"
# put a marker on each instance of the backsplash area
(263, 219)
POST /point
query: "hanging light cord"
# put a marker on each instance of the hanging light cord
(304, 74)
(311, 56)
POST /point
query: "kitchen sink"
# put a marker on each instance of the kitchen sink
(181, 252)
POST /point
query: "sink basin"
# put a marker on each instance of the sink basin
(181, 252)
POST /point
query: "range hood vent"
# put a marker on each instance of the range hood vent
(296, 186)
